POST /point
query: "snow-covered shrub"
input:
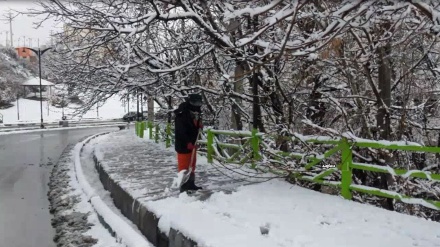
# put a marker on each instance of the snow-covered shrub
(13, 72)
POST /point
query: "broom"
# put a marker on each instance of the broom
(187, 173)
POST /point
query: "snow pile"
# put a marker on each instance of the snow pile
(276, 213)
(78, 211)
(125, 232)
(92, 177)
(75, 221)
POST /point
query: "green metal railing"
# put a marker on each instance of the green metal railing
(251, 147)
(156, 131)
(346, 166)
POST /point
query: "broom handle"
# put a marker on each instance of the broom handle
(194, 151)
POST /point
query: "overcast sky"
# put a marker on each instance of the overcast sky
(23, 26)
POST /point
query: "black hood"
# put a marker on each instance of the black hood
(186, 106)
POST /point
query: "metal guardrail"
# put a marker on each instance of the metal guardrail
(55, 123)
(121, 125)
(33, 126)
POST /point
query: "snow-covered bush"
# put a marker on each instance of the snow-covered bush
(13, 72)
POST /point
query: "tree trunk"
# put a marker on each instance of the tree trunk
(256, 110)
(150, 109)
(170, 107)
(316, 109)
(238, 87)
(257, 122)
(383, 116)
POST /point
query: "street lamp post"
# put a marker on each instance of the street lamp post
(18, 108)
(137, 107)
(39, 53)
(128, 102)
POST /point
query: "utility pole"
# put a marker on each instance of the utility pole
(10, 28)
(10, 18)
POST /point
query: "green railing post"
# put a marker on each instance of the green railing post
(150, 126)
(210, 145)
(168, 137)
(156, 134)
(255, 147)
(141, 129)
(347, 160)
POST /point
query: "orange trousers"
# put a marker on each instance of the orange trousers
(184, 160)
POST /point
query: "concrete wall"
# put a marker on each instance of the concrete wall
(146, 221)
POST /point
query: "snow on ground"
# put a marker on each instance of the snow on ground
(292, 216)
(272, 213)
(35, 81)
(148, 170)
(124, 232)
(92, 177)
(30, 111)
(75, 220)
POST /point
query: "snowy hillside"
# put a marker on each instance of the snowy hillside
(17, 66)
(13, 72)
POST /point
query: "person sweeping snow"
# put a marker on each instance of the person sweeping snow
(188, 124)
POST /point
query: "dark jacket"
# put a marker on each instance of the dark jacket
(186, 127)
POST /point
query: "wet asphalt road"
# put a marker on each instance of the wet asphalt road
(26, 161)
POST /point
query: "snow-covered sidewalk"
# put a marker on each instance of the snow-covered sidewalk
(147, 170)
(271, 213)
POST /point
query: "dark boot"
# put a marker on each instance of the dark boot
(185, 187)
(191, 183)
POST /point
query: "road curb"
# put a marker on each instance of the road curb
(110, 220)
(140, 215)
